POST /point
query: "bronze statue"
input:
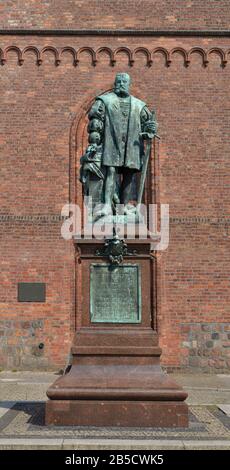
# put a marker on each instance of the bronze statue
(118, 125)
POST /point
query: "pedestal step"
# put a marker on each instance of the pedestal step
(116, 413)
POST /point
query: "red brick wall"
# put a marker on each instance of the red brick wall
(173, 14)
(39, 106)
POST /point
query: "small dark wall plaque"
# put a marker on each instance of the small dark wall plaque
(115, 293)
(31, 292)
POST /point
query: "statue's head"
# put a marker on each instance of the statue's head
(121, 84)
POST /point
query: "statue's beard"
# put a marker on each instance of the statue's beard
(120, 91)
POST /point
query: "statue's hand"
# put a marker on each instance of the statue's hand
(90, 152)
(150, 127)
(92, 148)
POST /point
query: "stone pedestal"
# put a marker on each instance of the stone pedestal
(116, 378)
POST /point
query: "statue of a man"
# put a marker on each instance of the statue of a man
(118, 124)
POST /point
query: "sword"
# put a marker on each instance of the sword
(148, 138)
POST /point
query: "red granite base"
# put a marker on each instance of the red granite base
(116, 378)
(117, 391)
(116, 413)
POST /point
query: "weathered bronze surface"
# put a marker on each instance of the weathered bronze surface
(115, 293)
(119, 124)
(115, 249)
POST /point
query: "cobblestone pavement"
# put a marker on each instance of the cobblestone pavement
(22, 408)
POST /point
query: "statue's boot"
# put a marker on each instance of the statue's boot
(103, 211)
(129, 209)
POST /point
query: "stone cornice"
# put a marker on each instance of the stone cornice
(132, 54)
(56, 218)
(115, 32)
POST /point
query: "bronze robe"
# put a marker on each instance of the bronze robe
(107, 109)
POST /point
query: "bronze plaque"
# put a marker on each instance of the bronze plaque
(115, 293)
(31, 292)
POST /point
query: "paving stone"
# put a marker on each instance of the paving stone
(207, 445)
(225, 408)
(27, 444)
(5, 406)
(126, 444)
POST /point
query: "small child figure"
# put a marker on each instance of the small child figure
(91, 163)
